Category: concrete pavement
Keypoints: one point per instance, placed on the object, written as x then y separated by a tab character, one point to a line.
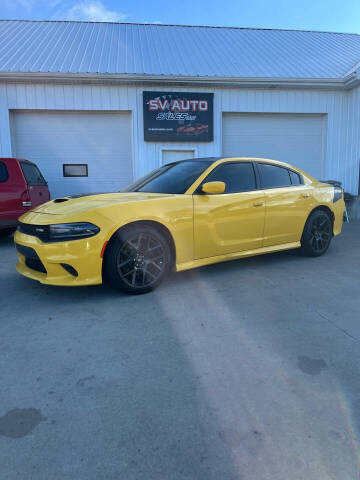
242	370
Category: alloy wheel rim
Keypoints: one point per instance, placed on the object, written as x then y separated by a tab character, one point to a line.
320	233
141	260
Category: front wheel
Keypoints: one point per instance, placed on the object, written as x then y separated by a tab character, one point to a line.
317	234
138	260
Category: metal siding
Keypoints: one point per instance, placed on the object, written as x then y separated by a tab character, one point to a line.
352	163
342	109
115	48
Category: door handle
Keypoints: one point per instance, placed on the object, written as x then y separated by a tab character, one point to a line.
305	194
259	203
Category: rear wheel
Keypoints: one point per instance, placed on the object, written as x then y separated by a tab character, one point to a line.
5	232
138	260
317	234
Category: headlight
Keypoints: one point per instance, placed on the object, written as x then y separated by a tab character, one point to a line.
71	231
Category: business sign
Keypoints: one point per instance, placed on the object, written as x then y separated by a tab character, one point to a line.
178	116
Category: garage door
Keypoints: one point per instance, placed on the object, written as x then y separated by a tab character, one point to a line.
296	139
100	140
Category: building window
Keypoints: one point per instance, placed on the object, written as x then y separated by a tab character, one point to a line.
75	170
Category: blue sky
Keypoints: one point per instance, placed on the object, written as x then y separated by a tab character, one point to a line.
331	15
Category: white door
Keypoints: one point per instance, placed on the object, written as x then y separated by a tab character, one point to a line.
168	156
100	140
296	139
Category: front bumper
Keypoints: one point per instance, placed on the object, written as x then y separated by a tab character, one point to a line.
84	255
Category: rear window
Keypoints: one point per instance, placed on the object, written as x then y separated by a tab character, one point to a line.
3	172
273	176
295	178
32	174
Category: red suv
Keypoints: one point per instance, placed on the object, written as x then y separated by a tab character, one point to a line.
22	187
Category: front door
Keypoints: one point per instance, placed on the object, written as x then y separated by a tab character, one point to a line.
234	220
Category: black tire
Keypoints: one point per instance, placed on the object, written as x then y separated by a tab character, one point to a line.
317	234
138	259
5	232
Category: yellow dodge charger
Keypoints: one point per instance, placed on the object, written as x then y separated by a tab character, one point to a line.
183	215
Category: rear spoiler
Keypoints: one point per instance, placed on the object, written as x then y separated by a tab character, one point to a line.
335	183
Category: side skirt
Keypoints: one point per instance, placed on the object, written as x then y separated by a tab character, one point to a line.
233	256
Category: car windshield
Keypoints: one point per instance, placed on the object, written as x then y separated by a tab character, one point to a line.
173	178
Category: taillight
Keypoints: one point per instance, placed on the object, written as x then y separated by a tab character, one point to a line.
25	199
338	193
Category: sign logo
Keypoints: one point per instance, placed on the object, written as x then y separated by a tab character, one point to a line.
178	116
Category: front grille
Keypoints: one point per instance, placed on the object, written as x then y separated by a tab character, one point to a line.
32	259
39	231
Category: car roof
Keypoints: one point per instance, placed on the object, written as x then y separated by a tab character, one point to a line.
241	159
15	159
221	160
256	159
208	160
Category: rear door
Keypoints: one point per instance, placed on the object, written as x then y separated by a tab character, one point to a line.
288	202
233	221
37	186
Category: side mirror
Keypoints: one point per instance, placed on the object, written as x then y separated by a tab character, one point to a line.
213	187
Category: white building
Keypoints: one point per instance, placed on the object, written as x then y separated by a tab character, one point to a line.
71	93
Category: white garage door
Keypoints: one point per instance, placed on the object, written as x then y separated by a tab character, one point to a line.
296	139
100	140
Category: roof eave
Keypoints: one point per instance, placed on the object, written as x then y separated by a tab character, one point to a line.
352	80
346	83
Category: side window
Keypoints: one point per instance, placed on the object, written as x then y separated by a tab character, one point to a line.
4	175
32	174
273	176
238	177
295	178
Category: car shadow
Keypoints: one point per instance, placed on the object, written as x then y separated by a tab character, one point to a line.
240	268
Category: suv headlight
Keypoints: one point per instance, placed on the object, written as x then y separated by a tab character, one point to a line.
71	231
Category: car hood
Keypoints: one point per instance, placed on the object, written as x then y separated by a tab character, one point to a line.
80	203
